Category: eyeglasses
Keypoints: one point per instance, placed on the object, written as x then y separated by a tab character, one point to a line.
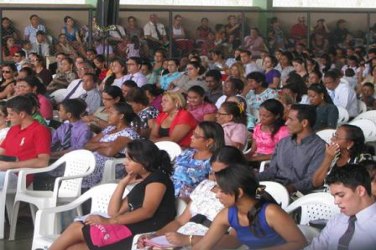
335	136
107	99
197	136
219	113
5	71
190	68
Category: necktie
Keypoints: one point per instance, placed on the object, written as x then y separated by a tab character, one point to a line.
40	50
131	77
66	143
157	30
73	90
344	241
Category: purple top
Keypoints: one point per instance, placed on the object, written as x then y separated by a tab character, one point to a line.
203	109
81	134
271	74
157	103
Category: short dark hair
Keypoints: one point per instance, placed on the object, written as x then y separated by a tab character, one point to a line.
130	84
258	77
351	176
93	76
197	89
305	112
20	104
216	74
74	106
40	32
332	74
21	53
33	15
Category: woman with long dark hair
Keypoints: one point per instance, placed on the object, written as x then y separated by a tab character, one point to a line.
326	111
347	146
269	131
258	221
148	207
112	140
192	165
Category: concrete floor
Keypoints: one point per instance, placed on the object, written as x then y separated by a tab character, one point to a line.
24	235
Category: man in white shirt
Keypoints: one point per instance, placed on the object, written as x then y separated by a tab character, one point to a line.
354	227
30	32
341	93
75	89
19	59
134	73
40	46
249	65
155	33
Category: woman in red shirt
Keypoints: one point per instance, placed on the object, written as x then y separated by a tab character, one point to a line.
175	123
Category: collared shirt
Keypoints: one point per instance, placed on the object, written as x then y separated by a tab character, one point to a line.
149	30
93	100
364	237
294	163
138	78
31	32
44	46
345	97
80	135
215	94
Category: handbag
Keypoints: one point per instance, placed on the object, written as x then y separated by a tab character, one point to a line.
104	235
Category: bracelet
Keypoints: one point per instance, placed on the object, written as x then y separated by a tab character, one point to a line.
190	239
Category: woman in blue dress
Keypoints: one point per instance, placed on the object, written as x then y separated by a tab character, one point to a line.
252	213
192	166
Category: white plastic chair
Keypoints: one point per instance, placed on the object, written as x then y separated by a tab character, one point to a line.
109	171
278	192
343	115
314	206
78	164
326	134
368	127
172	148
264	165
369	115
59	95
362	107
7	194
100	197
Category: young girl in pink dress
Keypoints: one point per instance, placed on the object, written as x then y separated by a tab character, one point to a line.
269	131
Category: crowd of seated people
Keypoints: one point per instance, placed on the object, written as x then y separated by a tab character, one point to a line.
275	92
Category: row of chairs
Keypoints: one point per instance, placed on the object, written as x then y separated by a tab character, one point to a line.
78	164
365	121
